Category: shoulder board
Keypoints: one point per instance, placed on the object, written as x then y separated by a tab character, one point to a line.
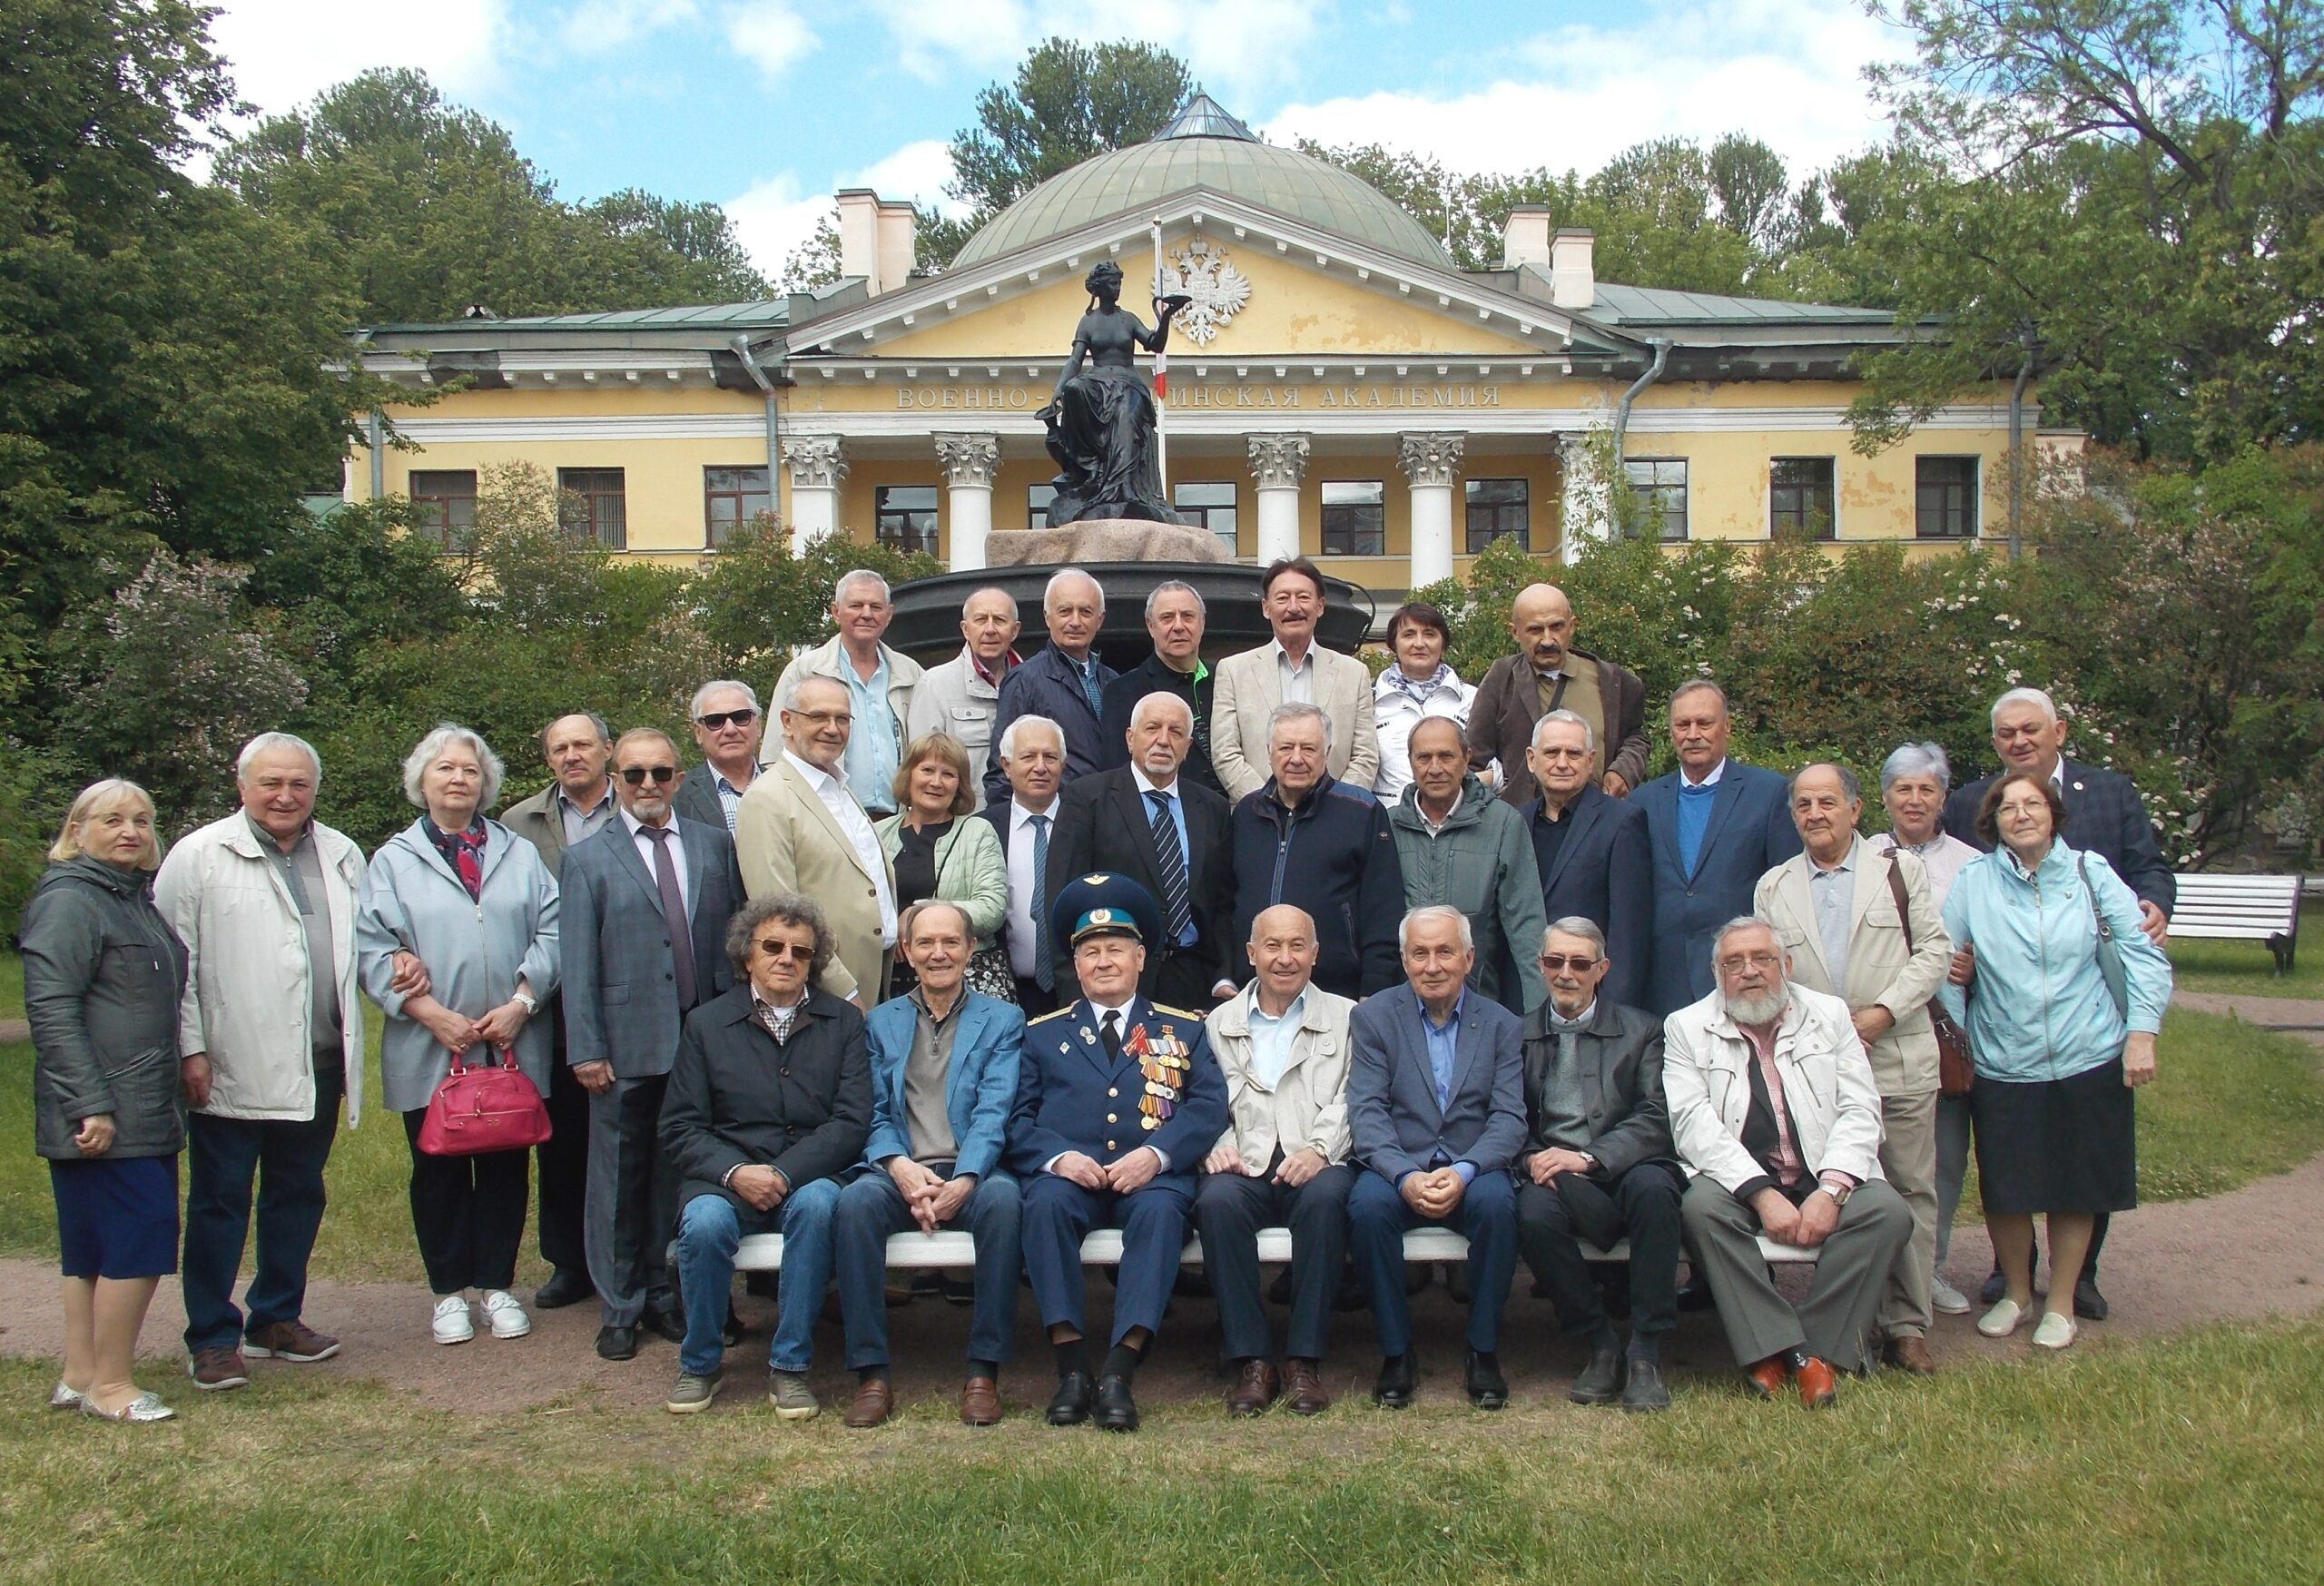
1055	1013
1180	1012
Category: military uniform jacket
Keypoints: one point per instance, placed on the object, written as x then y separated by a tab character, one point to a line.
1165	1091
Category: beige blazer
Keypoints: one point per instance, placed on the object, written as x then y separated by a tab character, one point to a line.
1880	970
1248	689
787	841
1308	1105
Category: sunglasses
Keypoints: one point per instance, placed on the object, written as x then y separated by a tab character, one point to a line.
775	947
715	720
1554	961
636	775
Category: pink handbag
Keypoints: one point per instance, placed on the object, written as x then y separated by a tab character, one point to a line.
484	1108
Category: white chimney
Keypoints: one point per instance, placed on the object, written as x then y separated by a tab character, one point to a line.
899	235
1572	284
858	235
1525	236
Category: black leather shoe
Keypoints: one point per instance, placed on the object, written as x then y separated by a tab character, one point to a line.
1279	1291
1600	1382
1644	1390
1488	1389
1399	1379
616	1344
1694	1294
1071	1404
567	1286
2088	1303
1117	1411
664	1325
731	1332
1996	1287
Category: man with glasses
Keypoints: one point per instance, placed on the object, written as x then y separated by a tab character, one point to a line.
641	921
962	695
727	726
800	830
1598	1165
879	683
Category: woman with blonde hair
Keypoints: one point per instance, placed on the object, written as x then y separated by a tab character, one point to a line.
939	856
104	975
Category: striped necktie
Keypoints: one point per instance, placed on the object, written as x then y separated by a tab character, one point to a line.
1171	859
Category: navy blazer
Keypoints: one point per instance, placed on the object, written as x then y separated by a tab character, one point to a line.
2103	816
1391	1111
697	798
1604	872
1103	823
1045	685
621	996
979	1085
1070	1098
1750	833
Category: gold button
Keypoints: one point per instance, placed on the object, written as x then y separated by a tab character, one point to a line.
1109	1145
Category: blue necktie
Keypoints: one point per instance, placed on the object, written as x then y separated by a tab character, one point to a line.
1087	672
1172	861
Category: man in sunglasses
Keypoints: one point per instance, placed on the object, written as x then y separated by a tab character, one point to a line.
643	919
728	725
1598	1165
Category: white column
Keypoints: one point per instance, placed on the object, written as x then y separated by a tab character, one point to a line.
817	463
969	462
1279	462
1583	505
1430	461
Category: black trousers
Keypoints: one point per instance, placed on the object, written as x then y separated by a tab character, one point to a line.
468	1213
1036	1001
1182	979
1642	1204
565	1167
1230	1208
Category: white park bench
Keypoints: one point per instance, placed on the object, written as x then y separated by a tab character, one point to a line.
2240	908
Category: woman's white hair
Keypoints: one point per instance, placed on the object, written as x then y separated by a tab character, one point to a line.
1916	760
447	734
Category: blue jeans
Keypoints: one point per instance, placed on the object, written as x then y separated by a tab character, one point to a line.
710	1229
872	1208
285	1158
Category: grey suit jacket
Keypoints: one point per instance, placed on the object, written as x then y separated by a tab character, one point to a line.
1391	1109
1620	1050
621	1000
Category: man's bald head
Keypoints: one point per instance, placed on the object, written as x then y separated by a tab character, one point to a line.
1283	950
1541	619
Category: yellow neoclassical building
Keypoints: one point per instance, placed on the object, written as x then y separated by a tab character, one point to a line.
1337	387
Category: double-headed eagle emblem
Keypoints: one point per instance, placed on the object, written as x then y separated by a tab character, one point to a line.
1202	271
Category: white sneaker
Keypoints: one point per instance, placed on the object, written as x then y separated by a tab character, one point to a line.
2006	1317
507	1317
452	1324
1946	1300
2055	1331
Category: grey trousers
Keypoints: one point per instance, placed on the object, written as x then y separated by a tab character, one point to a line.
632	1209
1851	1274
1908	1158
1952	1166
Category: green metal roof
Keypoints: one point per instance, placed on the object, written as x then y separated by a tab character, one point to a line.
771	313
1206	147
1642	306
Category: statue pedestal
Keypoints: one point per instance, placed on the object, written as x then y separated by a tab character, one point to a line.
1099	540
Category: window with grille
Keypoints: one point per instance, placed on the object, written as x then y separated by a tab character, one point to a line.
730	497
445	500
1498	509
1945	498
595	506
1660	486
1800	499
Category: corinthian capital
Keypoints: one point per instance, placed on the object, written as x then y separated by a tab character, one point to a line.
1429	458
968	460
1279	460
817	462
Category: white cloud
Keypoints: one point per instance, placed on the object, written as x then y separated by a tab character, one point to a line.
285	52
918	171
1231	46
597	27
777	215
770	34
1789	73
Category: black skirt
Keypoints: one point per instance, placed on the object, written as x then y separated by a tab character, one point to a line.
2066	1144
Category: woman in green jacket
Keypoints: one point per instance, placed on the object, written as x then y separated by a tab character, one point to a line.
939	854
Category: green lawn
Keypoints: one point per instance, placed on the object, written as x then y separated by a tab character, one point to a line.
2249	969
2192	1460
11	986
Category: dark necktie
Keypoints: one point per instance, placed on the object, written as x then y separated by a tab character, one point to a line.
1109	1031
1044	976
674	913
1087	672
1170	860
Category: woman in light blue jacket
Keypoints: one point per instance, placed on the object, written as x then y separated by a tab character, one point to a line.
474	903
2058	1046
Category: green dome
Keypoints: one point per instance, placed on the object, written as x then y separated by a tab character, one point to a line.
1206	147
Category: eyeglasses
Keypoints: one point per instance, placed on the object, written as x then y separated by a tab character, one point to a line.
797	952
819	718
715	720
1751	961
636	775
1554	961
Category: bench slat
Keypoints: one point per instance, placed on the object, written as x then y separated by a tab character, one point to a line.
1103	1247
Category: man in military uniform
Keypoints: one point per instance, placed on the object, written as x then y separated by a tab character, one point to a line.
1117	1103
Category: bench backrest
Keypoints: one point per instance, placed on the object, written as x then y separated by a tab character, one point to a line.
2251	906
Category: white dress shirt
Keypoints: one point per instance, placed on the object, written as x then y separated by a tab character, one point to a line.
857	825
1023	886
645	846
1716	771
1298	682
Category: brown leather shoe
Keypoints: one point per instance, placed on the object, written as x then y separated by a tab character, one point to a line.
1255	1387
289	1341
215	1370
1819	1384
873	1400
1766	1378
1910	1353
980	1402
1303	1388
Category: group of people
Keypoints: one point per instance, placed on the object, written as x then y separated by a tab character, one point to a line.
1024	947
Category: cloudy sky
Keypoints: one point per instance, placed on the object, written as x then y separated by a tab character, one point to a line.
767	105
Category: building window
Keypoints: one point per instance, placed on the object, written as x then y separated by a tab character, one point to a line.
1945	498
1799	498
730	497
1353	524
1660	483
1498	509
906	517
595	506
1037	505
1210	507
445	501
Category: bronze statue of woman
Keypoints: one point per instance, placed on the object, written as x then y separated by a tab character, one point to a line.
1101	417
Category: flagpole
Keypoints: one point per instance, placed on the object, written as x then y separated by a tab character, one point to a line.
1161	381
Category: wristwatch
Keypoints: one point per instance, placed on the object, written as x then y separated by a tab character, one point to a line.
1838	1192
530	1003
